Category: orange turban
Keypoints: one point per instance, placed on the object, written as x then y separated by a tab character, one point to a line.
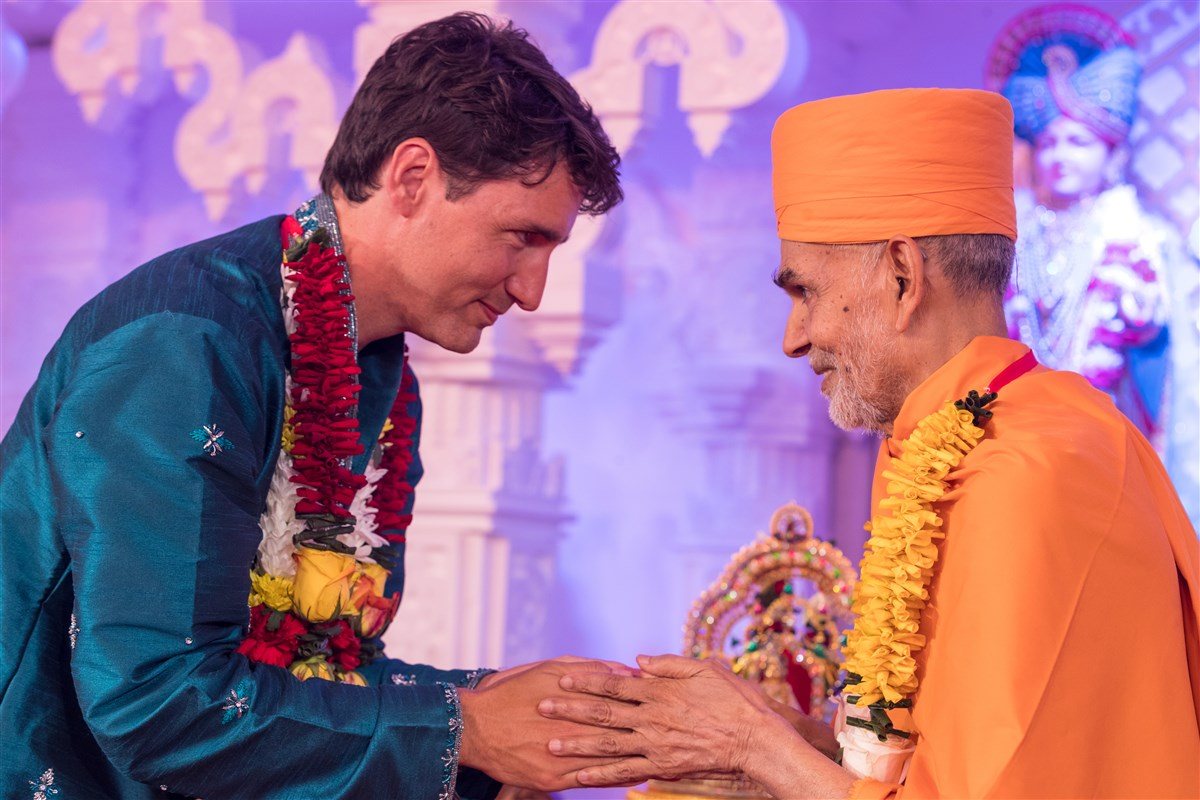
912	162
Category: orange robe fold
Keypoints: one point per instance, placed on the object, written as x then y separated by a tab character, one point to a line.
1063	655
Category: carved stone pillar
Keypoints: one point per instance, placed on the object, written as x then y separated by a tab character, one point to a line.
489	501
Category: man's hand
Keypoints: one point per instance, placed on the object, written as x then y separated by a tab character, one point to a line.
816	733
681	718
504	736
517	793
689	719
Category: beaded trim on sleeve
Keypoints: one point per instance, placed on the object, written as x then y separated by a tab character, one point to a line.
475	676
453	743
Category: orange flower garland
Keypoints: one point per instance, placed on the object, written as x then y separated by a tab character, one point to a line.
899	558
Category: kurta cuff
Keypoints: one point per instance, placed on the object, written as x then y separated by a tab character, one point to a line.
453	743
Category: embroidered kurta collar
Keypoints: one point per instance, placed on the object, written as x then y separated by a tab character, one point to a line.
382	361
320	213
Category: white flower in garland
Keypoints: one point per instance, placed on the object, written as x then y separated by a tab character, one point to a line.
364	538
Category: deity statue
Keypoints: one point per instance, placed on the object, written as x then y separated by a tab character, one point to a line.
1089	292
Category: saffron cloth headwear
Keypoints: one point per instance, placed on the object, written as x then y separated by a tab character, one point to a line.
912	162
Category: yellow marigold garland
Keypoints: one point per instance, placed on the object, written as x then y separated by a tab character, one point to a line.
899	557
288	437
273	591
387	428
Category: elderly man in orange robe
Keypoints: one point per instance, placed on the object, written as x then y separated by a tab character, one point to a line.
1034	632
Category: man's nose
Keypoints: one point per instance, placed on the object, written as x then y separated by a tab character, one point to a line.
795	334
528	283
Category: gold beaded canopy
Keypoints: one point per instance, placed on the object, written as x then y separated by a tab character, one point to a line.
805	583
783	598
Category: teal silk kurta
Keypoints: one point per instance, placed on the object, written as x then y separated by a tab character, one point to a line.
126	548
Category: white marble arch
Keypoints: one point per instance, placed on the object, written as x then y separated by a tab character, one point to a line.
729	53
223	139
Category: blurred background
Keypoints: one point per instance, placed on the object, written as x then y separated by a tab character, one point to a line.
592	467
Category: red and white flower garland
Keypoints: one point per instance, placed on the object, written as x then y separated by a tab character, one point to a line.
317	587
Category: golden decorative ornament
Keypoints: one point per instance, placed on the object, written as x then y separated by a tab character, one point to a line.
779	606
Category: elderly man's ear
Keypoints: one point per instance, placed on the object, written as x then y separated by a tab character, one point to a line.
904	266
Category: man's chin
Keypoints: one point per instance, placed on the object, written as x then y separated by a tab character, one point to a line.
848	415
460	342
859	426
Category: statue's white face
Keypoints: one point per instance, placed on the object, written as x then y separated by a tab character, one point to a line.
1071	161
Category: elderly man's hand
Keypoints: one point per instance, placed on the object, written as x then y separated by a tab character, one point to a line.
504	736
681	718
816	733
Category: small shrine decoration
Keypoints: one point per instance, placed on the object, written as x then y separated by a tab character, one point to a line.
777	612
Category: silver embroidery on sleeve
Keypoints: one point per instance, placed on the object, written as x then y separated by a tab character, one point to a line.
43	787
453	742
212	439
475	676
237	702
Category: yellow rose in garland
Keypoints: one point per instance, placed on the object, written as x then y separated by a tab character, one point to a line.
374	610
323	583
376	616
316	667
370	583
352	677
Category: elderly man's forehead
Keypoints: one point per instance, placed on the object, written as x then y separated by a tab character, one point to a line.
803	249
812	260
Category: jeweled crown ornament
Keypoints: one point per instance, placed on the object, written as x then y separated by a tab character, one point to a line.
777	612
775	616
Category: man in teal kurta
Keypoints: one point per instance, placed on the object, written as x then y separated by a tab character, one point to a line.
126	549
125	545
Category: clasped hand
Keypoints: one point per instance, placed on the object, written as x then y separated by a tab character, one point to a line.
680	718
504	735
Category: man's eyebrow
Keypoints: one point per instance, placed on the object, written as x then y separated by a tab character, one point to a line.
553	236
785	278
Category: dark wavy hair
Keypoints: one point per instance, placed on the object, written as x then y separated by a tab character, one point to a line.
487	101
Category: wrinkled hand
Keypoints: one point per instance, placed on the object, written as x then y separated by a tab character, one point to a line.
681	718
505	736
815	732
